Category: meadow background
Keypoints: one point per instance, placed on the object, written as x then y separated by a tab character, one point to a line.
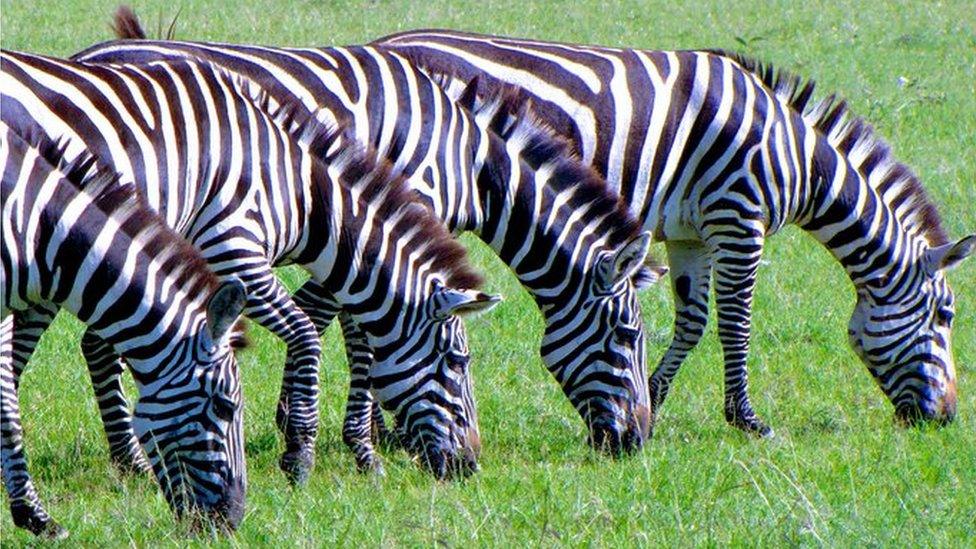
837	473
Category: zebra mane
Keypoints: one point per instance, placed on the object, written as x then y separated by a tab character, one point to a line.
384	189
854	137
126	25
507	111
124	203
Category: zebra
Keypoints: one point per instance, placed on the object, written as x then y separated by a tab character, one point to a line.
459	168
81	239
714	152
254	186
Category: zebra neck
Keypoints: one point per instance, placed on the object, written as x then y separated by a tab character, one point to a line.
128	299
541	244
351	251
855	223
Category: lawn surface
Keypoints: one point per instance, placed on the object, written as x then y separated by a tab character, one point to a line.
837	473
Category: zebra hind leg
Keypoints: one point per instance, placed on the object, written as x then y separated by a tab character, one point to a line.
26	508
735	280
105	369
690	264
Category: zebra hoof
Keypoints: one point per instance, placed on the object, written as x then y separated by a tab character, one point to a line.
297	465
372	466
53	532
37	522
755	428
749	423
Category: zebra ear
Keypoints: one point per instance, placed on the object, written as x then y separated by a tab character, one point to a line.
463	302
949	255
648	275
225	305
628	260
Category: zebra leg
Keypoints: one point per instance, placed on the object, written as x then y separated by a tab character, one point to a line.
270	305
25	504
690	263
735	280
105	369
357	429
28	328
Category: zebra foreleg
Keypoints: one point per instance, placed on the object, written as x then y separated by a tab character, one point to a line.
690	264
298	414
735	279
25	505
357	429
105	368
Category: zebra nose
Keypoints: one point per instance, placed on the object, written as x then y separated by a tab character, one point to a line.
472	441
446	464
637	429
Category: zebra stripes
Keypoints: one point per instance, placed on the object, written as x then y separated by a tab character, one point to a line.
254	189
76	238
714	152
472	179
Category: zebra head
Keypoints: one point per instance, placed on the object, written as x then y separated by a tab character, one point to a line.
190	422
594	346
901	330
427	383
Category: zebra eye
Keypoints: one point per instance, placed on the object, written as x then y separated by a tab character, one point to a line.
625	336
224	408
944	316
457	362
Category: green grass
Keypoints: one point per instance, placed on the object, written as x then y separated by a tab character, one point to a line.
838	472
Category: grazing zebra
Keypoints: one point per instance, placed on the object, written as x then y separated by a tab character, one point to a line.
572	247
714	152
254	189
77	238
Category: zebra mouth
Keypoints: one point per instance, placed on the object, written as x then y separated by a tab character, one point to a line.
449	465
607	435
915	415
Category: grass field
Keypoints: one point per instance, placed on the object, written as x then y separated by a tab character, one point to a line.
838	472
